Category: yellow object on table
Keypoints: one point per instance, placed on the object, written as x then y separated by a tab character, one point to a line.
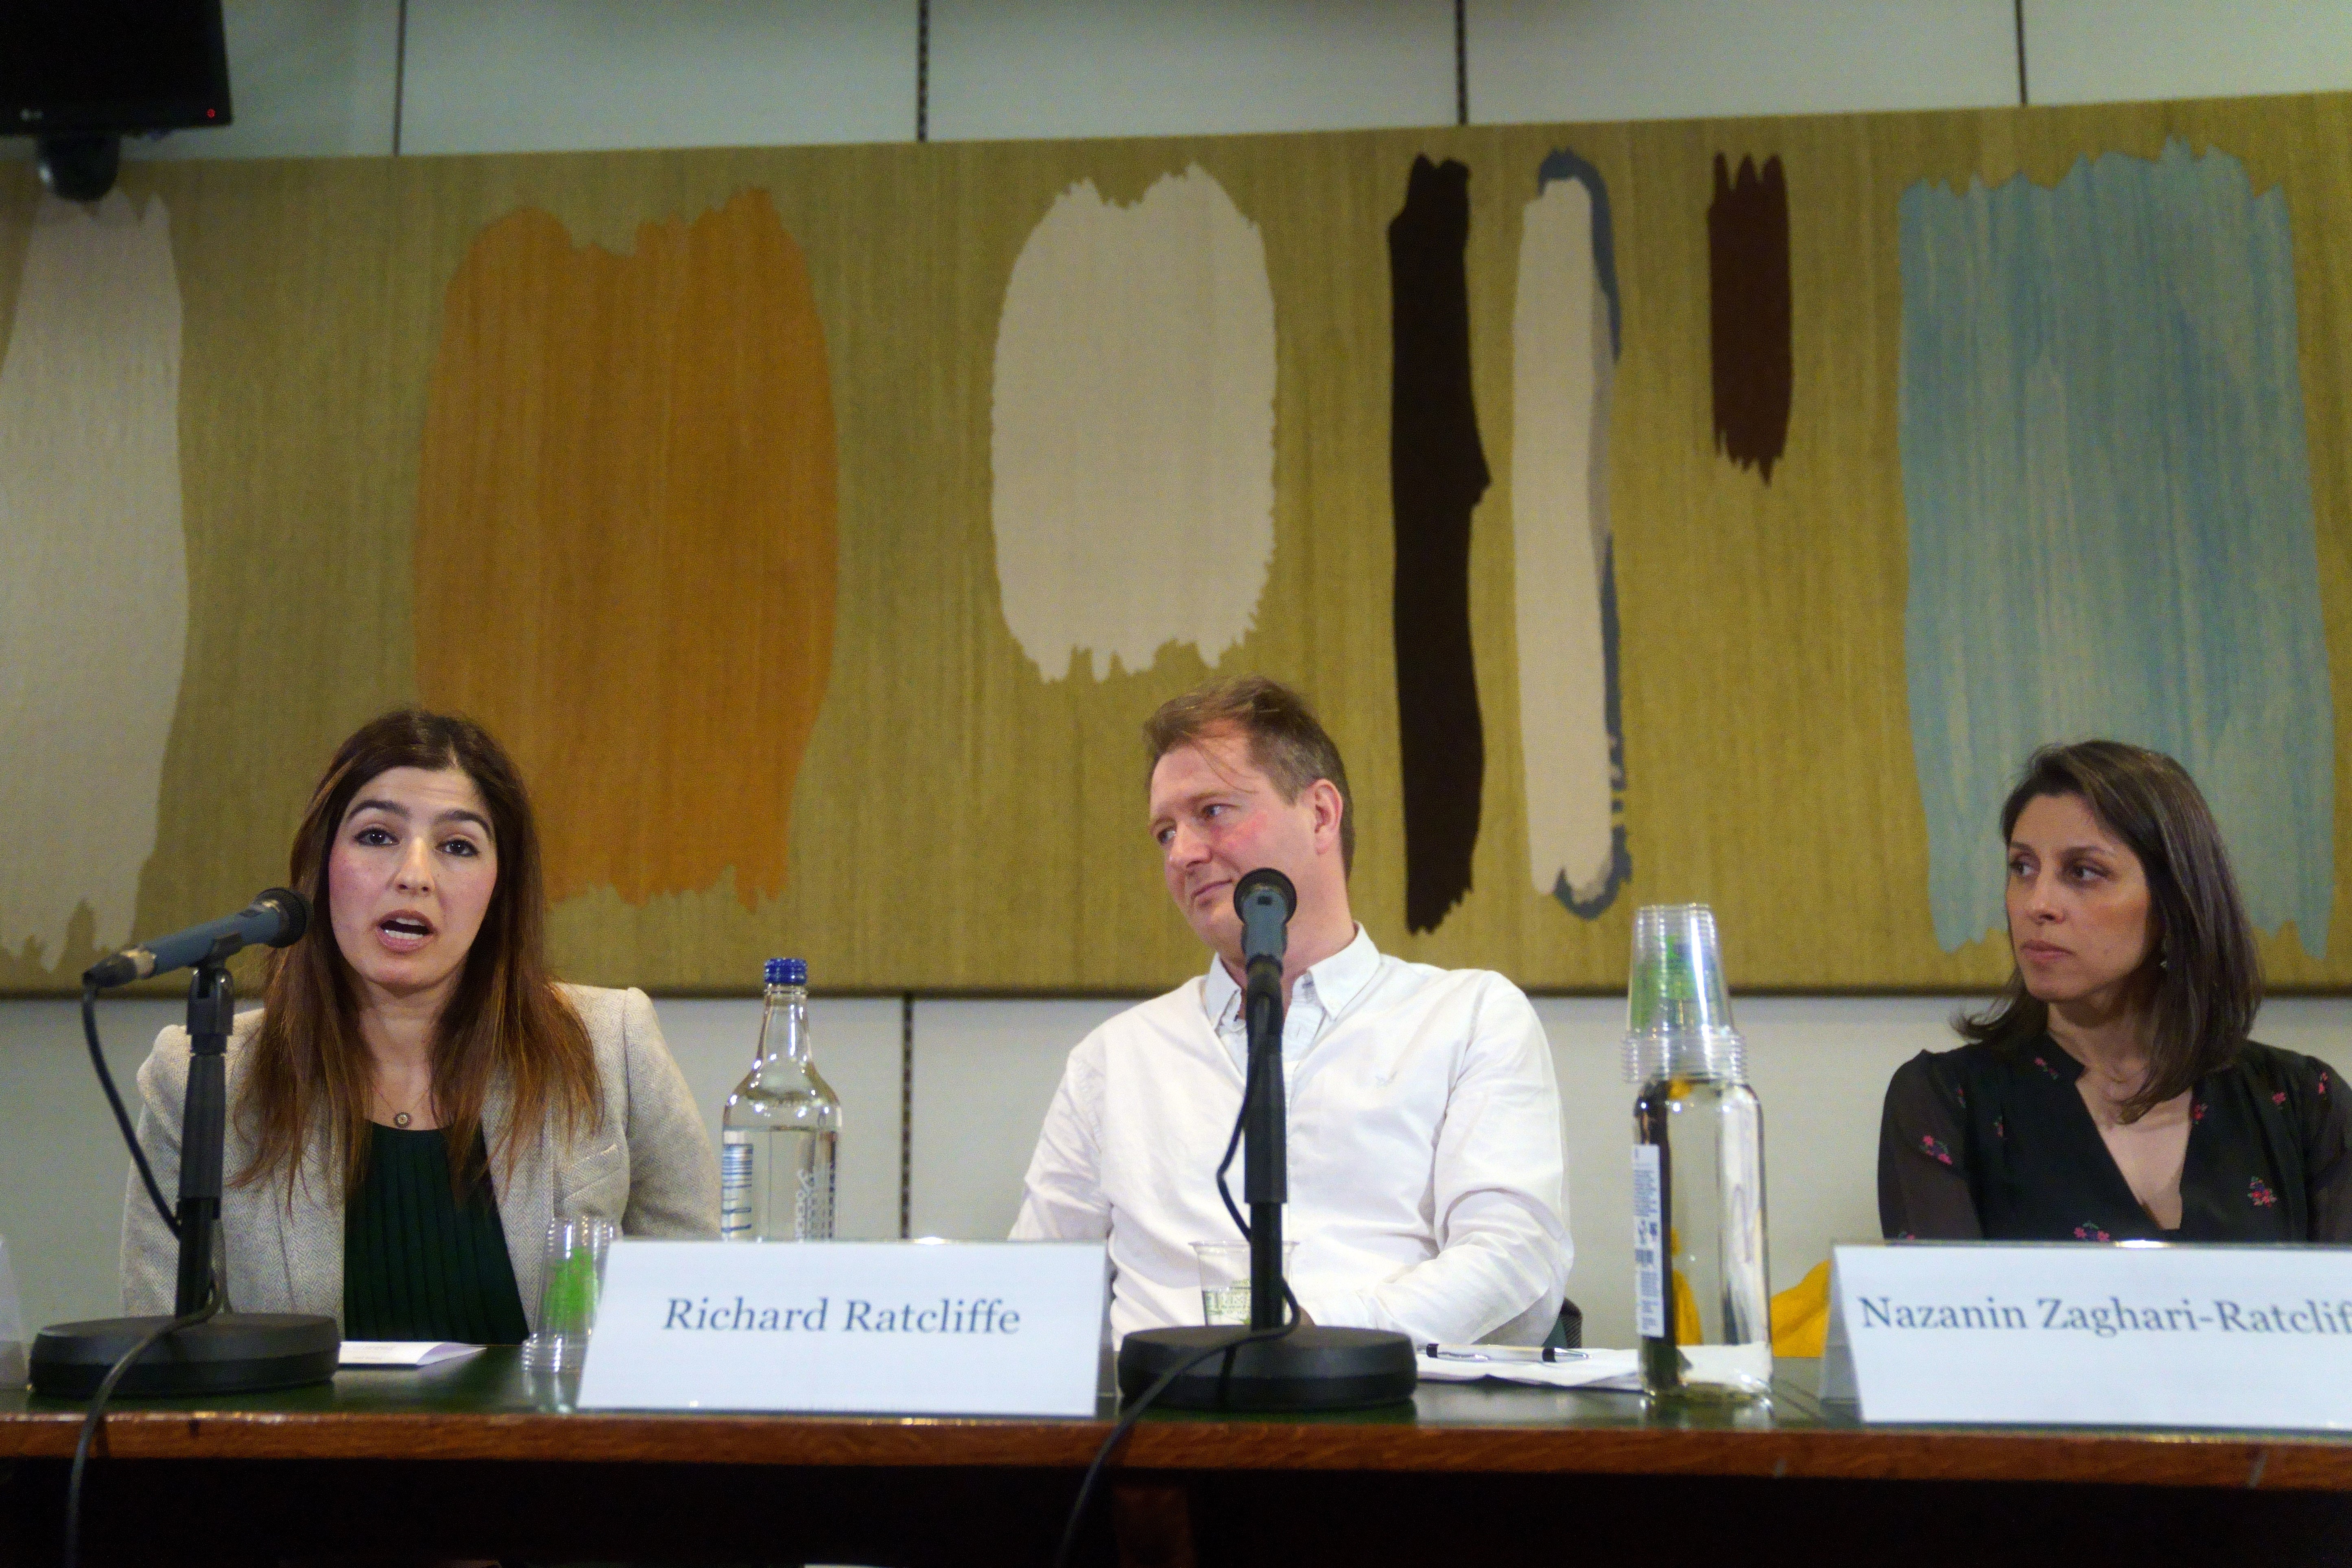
1800	1314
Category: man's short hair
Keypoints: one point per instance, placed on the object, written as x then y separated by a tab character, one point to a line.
1286	744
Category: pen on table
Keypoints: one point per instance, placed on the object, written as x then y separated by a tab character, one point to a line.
1498	1353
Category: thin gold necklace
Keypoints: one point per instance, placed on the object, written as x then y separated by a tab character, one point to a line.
399	1118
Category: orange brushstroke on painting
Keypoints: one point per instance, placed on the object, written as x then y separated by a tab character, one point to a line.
625	547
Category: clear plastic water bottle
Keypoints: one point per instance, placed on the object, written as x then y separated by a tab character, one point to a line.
778	1131
1701	1298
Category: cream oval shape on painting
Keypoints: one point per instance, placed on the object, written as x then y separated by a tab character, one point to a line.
94	579
1132	435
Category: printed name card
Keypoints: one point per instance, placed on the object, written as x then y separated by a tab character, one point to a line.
880	1328
2137	1334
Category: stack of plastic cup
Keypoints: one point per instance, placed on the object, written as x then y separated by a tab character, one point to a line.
573	1278
1678	1008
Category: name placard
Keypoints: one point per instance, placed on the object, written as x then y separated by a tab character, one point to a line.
876	1328
2137	1334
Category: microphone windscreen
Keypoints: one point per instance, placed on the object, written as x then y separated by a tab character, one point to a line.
1265	878
293	917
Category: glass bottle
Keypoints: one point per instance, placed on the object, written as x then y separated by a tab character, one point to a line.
1702	1299
780	1129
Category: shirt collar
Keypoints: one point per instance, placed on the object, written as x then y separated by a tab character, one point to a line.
1334	983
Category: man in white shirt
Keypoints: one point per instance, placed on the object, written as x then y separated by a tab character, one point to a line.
1427	1190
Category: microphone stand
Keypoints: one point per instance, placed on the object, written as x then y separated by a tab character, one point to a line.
1265	1155
1309	1366
228	1353
203	1129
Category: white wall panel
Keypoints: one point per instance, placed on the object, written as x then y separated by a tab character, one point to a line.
1134	68
857	1049
62	1163
2316	1025
308	78
1664	59
527	76
984	1073
2092	51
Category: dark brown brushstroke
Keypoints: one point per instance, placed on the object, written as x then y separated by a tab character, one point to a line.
1437	472
1749	313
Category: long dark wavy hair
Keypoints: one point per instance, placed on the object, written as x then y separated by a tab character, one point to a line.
2203	980
505	1024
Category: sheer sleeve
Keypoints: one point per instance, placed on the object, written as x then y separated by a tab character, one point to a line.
1923	1177
2326	1162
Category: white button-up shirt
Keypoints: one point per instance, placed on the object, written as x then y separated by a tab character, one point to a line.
1427	1177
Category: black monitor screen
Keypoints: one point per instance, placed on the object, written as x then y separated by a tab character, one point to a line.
112	65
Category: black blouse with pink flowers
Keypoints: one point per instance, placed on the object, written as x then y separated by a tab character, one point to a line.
1984	1144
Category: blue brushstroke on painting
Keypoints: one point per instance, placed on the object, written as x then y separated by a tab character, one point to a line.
2109	503
1563	165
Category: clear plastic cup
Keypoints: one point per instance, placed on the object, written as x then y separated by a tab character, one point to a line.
1225	1278
573	1278
1677	1005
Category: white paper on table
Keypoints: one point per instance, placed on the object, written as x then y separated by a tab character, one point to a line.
402	1353
1611	1371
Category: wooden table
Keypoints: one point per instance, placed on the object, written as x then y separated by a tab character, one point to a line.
471	1459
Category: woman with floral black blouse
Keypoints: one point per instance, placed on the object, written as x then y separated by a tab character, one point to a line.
2111	1092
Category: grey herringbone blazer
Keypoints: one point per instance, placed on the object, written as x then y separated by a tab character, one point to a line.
648	1165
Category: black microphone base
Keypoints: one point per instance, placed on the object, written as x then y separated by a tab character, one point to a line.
1310	1368
233	1353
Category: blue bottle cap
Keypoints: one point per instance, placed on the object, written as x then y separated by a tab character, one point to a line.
787	972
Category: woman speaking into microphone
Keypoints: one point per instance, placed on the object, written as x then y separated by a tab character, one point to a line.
416	1097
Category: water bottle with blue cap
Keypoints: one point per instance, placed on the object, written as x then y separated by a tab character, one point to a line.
778	1133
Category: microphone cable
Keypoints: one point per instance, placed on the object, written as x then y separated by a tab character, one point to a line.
1134	1413
93	1425
122	1117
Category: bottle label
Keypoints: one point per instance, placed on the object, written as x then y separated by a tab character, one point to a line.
735	1194
812	1207
1649	1242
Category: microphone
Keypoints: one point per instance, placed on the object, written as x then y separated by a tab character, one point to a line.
277	919
1264	900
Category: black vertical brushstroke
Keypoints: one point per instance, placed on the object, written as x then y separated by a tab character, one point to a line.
922	70
2020	53
1461	62
1437	472
1749	313
399	73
